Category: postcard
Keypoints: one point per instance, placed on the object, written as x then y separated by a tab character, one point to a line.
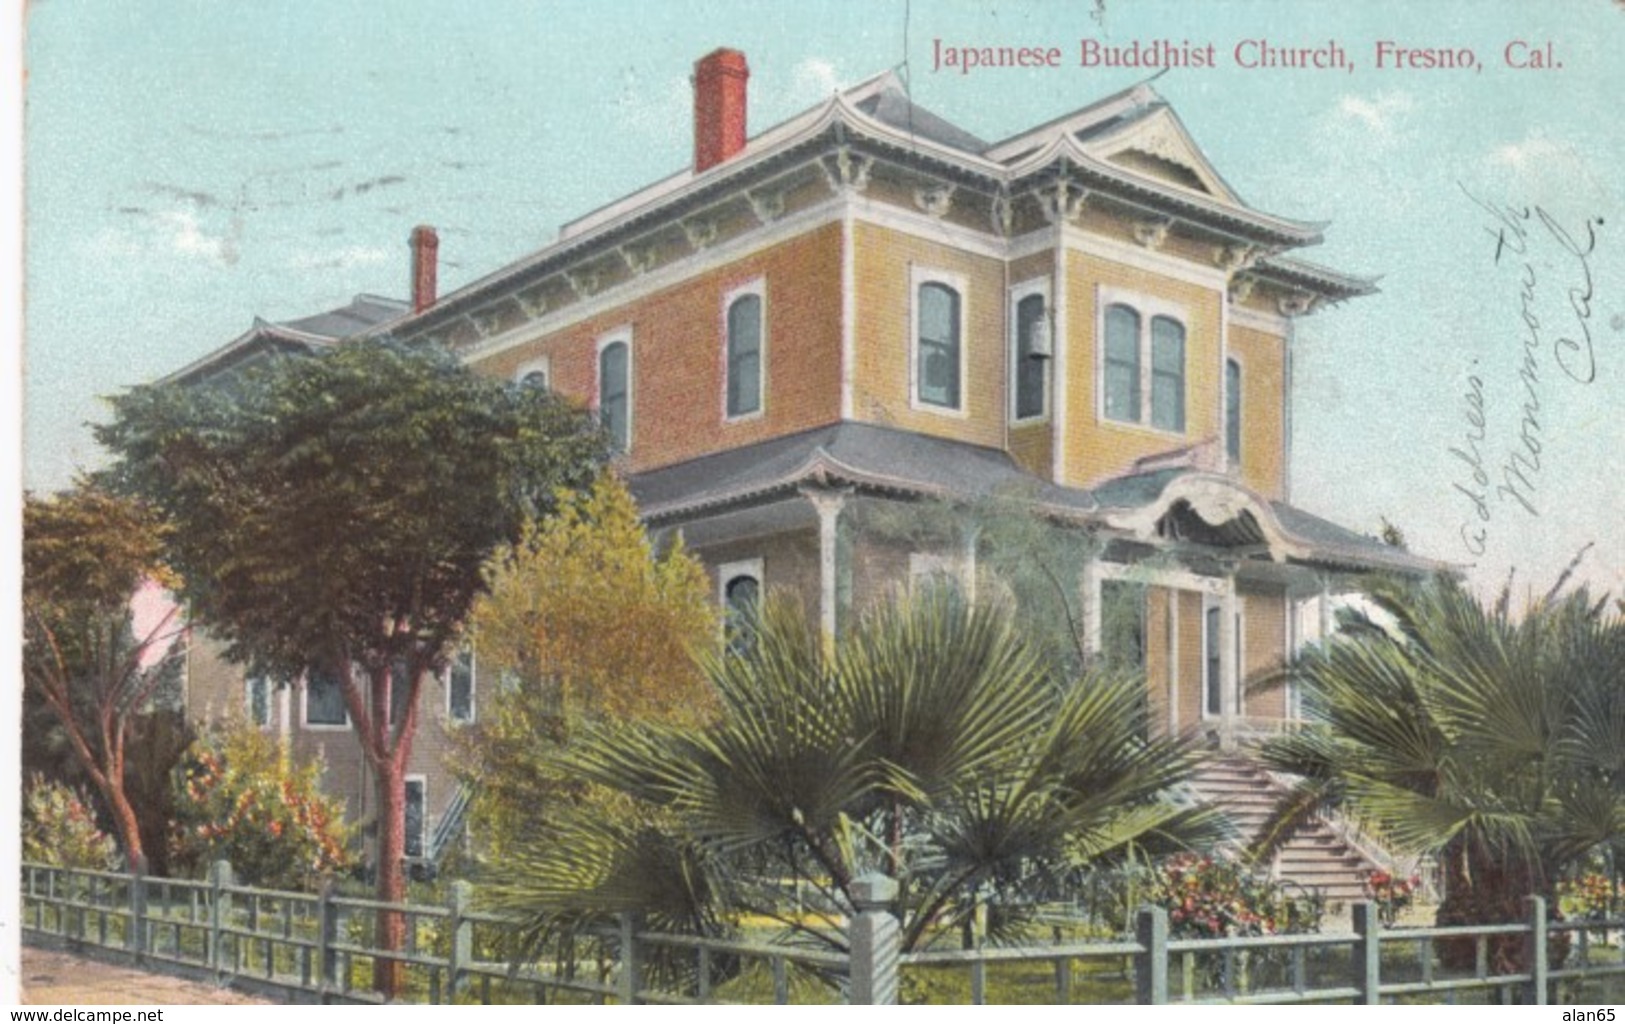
1166	325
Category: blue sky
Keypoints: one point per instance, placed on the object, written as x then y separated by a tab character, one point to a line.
191	165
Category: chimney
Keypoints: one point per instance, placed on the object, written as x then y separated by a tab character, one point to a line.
719	107
425	266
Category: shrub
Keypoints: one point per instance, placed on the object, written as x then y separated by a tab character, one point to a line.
240	800
1208	898
59	828
1391	893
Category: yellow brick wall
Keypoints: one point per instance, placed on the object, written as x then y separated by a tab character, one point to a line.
678	353
1190	660
1097	448
1263	409
884	259
1264	648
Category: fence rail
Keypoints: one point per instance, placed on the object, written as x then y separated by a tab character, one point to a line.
318	947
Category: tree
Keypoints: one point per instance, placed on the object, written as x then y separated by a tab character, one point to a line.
586	623
86	554
933	745
1495	743
331	515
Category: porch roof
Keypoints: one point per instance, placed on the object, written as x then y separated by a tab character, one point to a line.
1164	507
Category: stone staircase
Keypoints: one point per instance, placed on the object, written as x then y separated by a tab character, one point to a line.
1314	856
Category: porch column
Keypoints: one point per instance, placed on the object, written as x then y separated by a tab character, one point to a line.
1229	667
827	502
967	560
1325	607
1091	608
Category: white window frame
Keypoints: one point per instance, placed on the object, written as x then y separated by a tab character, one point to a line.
542	364
473	689
1211	604
621	335
757	286
919	277
729	571
1026	289
304	710
248	702
423	839
1149	307
1238	651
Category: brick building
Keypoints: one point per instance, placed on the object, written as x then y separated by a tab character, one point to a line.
866	306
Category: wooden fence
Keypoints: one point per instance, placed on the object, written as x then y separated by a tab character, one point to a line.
318	947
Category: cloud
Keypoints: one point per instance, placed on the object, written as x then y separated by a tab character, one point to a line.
1549	167
181	233
1381	114
167	233
339	259
663	110
815	78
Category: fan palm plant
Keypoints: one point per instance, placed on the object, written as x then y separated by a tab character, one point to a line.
1494	743
931	744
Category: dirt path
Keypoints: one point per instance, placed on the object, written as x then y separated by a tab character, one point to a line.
50	977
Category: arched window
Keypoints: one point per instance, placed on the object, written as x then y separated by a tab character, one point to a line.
535	379
1031	356
614	392
1122	364
1167	374
1232	411
937	349
744	355
741	595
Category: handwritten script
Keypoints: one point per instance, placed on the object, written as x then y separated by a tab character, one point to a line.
1505	470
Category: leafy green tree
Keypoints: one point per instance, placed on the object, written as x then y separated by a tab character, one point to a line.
332	515
1493	742
585	622
240	799
934	744
86	553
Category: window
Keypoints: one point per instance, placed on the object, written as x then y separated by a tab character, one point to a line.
615	391
938	350
259	701
1143	367
324	700
741	593
1232	411
460	687
1030	352
534	375
1212	674
1122	364
744	354
417	818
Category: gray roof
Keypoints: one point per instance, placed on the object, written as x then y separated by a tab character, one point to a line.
873	457
360	313
894	107
882	460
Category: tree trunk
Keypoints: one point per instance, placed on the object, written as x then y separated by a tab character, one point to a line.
124	818
1483	886
390	932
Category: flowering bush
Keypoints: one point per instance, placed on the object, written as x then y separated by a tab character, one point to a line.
60	828
240	800
1208	898
1591	895
1391	893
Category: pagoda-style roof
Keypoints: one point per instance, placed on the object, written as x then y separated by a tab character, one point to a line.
303	336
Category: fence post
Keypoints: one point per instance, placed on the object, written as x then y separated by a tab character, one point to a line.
1367	966
327	931
219	913
876	942
1535	950
631	981
135	933
1151	962
462	938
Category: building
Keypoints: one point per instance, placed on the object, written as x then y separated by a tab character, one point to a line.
867	307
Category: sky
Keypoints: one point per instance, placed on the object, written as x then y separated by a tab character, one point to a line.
192	165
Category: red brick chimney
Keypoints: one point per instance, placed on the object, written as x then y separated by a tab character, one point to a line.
425	266
719	107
